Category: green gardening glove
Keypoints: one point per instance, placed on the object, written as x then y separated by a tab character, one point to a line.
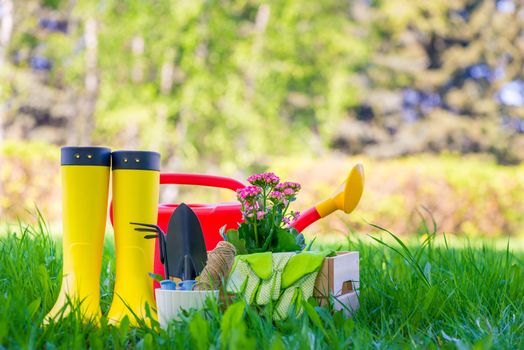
270	288
298	282
247	273
294	295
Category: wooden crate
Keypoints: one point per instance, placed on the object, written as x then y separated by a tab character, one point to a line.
339	278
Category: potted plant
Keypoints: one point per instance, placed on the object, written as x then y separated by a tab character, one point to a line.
268	220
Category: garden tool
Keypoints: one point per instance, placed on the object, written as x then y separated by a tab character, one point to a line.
160	235
186	249
298	282
85	187
135	199
211	216
345	199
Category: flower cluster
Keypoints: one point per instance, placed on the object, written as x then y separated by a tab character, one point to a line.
264	180
248	194
265	195
249	210
275	196
267	225
288	189
295	186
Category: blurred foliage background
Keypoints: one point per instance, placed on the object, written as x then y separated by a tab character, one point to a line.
429	95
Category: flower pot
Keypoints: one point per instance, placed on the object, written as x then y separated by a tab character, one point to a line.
170	303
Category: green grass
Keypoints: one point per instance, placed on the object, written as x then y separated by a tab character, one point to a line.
426	296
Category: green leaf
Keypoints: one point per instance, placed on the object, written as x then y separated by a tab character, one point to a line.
124	327
34	306
314	316
199	330
233	237
286	241
246	232
310	244
231	320
300	240
147	342
155	276
222	232
277	343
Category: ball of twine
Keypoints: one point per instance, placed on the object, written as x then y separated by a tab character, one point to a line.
219	263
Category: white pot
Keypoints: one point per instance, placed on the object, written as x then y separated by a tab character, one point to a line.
169	303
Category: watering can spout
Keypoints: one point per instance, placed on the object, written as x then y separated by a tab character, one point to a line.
345	199
348	196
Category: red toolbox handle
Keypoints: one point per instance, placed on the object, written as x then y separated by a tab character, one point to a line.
200	180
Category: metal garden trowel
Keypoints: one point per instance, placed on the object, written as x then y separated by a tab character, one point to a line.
185	246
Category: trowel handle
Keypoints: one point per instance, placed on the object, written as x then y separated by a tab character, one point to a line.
200	180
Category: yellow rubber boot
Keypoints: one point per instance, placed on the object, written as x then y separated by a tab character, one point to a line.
85	186
136	176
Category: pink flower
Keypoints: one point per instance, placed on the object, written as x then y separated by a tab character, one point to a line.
248	194
275	196
260	214
289	192
295	186
264	180
295	215
249	209
288	189
286	221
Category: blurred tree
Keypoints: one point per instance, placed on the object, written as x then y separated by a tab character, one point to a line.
6	27
227	83
242	76
214	81
447	75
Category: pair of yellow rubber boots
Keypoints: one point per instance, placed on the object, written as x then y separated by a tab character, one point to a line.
85	190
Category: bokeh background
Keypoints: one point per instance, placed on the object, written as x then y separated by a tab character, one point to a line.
428	95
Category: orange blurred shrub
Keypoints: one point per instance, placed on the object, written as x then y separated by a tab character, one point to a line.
466	195
29	178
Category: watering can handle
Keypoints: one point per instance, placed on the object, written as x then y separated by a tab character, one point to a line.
200	180
193	179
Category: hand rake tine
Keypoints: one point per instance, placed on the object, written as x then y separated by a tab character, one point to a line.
161	236
142	229
153	226
142	224
162	246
